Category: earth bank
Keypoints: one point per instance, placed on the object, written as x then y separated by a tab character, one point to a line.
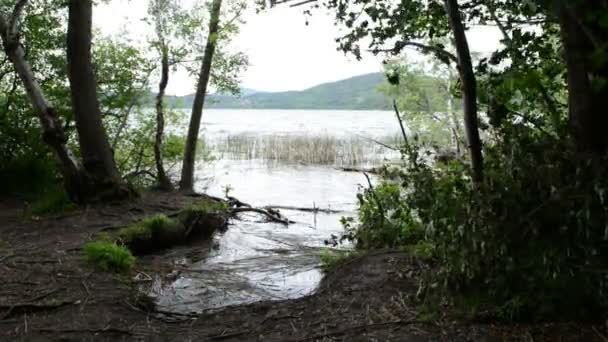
50	293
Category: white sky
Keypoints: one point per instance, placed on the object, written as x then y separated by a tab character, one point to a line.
284	53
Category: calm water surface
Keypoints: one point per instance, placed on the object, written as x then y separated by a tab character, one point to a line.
255	260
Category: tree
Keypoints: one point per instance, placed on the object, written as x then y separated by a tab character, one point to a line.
187	178
583	29
469	87
161	11
53	133
98	159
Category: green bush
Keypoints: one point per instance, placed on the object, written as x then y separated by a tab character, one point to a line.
530	242
109	256
385	220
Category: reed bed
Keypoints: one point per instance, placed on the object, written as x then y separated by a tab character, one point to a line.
304	149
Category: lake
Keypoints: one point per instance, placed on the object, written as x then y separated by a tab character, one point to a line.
256	260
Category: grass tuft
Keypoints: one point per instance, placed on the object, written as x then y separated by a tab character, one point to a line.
109	256
331	258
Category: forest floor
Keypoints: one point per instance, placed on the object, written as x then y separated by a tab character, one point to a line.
48	292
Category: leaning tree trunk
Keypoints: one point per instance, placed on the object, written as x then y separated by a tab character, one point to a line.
53	134
187	179
163	180
98	159
584	38
469	88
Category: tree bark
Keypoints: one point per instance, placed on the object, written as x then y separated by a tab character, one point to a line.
187	178
583	36
98	159
53	134
469	88
163	180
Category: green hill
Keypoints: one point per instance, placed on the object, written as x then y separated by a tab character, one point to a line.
359	92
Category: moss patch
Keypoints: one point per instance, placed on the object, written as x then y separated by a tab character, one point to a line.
159	231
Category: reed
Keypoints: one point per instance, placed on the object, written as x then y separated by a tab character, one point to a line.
304	149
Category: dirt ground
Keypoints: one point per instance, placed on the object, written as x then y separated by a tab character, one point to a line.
48	292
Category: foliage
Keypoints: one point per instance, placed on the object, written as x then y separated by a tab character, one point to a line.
384	219
426	100
109	256
27	165
519	241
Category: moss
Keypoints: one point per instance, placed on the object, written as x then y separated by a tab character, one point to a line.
134	232
109	256
203	208
159	231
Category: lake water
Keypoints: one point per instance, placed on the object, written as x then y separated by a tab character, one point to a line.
256	260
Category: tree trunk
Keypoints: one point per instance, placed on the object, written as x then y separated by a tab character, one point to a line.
187	179
469	88
163	180
98	159
53	134
583	36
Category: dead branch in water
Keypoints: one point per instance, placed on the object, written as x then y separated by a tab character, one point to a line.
310	210
373	170
272	215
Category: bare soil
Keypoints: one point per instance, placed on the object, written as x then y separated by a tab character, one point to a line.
48	292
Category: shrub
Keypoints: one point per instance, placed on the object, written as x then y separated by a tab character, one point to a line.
109	256
530	242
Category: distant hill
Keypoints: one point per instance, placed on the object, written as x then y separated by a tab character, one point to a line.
359	92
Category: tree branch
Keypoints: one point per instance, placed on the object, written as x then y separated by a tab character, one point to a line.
17	11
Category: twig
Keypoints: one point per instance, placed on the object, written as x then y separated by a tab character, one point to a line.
405	140
600	334
32	307
91	331
224	336
379	142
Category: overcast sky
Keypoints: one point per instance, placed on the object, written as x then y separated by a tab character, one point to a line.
284	53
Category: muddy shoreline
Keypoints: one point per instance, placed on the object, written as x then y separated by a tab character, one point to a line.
49	292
